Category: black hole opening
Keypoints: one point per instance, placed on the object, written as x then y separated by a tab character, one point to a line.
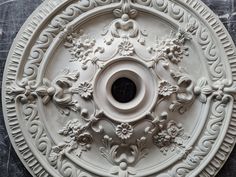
123	90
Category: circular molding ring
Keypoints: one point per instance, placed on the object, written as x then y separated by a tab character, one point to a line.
122	88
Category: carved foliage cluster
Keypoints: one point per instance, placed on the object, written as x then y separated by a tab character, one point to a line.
172	49
82	48
77	137
60	91
170	136
122	165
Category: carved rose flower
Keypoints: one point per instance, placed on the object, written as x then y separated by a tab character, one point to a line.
77	53
174	129
173	52
126	48
84	41
87	41
124	131
85	139
85	90
72	128
166	89
162	139
76	137
170	136
82	47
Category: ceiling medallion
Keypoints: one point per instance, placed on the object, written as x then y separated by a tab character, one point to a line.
121	88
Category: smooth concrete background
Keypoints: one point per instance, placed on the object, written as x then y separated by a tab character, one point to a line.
13	14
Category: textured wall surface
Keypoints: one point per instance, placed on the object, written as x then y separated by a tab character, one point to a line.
13	13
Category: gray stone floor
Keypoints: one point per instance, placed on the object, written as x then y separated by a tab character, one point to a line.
13	13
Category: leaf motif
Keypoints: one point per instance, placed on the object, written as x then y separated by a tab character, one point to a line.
117	13
65	71
114	32
53	157
63	82
133	33
141	40
75	108
172	147
174	106
67	139
185	137
107	141
114	170
46	82
202	82
64	111
46	99
147	129
99	49
133	13
143	153
99	114
73	75
207	90
106	154
141	142
108	40
73	145
68	44
135	151
183	79
103	152
132	171
97	128
113	151
41	91
179	140
79	152
203	98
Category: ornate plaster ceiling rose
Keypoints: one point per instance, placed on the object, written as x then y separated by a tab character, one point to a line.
121	88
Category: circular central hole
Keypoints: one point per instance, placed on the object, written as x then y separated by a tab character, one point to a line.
123	90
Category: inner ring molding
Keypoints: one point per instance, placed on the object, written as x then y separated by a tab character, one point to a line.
139	73
141	89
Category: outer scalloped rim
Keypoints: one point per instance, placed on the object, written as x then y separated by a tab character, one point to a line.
34	22
230	137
